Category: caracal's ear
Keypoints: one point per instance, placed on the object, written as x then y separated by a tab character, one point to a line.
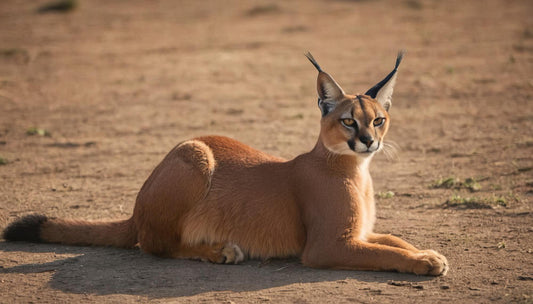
329	92
382	91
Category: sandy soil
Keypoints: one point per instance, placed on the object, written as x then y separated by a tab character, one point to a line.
116	84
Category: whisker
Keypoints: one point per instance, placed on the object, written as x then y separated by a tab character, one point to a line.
390	149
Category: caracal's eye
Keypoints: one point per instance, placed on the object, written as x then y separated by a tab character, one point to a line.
348	122
379	121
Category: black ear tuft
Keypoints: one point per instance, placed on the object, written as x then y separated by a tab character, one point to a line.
375	89
313	61
27	229
329	91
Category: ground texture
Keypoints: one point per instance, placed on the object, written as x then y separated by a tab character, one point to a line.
92	99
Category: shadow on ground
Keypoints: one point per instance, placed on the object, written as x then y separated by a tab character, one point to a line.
105	271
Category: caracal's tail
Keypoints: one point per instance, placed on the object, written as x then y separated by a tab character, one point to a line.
41	229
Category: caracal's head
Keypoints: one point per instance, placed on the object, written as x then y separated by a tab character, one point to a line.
354	124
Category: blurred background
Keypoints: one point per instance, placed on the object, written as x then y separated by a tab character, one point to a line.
93	94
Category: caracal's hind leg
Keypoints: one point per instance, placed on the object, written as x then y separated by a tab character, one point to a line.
218	253
177	184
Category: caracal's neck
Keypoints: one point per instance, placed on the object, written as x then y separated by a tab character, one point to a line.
351	166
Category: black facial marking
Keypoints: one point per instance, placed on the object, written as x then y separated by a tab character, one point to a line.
361	104
351	144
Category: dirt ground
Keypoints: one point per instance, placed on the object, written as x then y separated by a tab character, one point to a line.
92	99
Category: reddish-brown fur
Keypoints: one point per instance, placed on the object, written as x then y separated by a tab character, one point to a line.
216	199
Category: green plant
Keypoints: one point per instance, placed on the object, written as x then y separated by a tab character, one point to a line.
454	183
385	195
38	131
471	184
448	183
458	202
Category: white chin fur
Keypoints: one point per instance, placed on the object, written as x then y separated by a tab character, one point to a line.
362	148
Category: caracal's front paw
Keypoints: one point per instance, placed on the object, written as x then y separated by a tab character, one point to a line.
231	254
430	262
